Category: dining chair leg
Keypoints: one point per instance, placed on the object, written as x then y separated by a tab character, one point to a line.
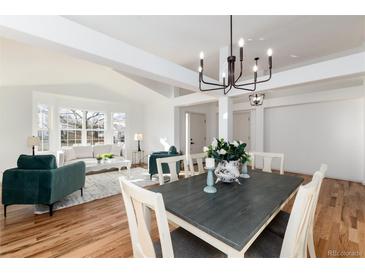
312	252
5	210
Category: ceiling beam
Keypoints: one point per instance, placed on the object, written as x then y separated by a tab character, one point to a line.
57	32
350	65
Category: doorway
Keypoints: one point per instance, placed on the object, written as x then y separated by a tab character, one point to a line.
242	127
198	132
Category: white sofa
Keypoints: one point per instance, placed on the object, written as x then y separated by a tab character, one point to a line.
87	153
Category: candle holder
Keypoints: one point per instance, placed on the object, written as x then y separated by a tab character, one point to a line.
210	182
244	171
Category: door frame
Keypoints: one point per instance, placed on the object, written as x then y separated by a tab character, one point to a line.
187	129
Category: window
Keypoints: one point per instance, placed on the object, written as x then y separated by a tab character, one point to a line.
71	126
119	127
81	127
42	127
95	127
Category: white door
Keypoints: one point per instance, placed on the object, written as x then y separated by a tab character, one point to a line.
198	130
241	127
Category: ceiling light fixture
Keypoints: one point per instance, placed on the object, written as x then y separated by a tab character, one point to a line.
230	82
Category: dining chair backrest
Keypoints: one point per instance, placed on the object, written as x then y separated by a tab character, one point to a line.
172	162
295	241
321	174
323	169
199	157
138	202
267	160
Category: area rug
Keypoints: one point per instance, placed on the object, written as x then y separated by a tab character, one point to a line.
98	186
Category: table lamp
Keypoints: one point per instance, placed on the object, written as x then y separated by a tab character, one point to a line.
138	137
33	141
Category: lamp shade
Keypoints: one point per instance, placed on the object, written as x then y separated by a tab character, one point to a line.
138	137
33	141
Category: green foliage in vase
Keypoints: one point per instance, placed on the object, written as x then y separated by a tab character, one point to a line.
222	150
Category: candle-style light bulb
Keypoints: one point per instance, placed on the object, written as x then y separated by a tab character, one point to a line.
201	59
255	68
269	53
241	42
223	75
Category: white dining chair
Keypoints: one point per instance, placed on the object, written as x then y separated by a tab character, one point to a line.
172	163
295	241
199	158
179	243
312	252
267	160
279	223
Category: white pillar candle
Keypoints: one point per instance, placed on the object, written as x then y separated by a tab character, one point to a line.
209	163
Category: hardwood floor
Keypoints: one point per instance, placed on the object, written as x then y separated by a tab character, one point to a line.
100	228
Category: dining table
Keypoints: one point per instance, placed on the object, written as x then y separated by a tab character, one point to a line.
233	217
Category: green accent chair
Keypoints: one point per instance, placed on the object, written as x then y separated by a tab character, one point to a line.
37	180
152	165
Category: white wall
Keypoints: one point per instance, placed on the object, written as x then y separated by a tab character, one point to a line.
15	125
311	134
159	126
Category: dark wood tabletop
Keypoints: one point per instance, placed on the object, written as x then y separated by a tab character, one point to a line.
235	213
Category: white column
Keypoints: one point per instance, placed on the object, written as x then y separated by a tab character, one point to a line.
187	134
259	132
223	65
176	126
224	103
225	118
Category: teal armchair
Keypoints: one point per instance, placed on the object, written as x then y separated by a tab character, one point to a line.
152	165
37	180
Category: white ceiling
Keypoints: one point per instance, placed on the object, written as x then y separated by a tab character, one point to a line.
181	38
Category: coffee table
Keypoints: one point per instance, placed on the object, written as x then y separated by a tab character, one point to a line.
93	165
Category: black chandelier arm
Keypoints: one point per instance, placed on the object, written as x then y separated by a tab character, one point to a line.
257	82
208	83
239	76
226	91
266	80
210	89
247	89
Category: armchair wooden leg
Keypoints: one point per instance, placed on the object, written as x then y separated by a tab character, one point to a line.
50	209
82	191
5	210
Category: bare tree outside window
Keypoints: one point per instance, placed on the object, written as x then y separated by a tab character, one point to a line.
71	127
119	127
95	127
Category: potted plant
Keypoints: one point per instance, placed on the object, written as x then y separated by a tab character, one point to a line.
107	156
99	158
229	155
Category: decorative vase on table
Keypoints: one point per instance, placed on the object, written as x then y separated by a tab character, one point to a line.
228	171
228	155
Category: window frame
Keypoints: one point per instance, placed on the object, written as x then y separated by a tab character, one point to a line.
83	130
113	130
40	129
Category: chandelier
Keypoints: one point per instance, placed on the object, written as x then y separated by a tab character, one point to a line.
256	99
